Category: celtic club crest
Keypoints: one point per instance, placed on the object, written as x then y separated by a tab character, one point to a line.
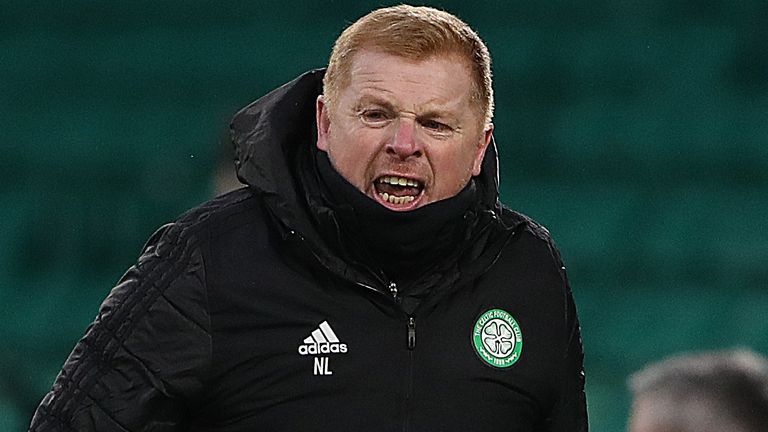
497	338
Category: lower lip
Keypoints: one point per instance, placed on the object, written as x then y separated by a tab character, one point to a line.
398	207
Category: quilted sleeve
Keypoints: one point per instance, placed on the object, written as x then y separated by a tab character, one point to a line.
143	360
570	412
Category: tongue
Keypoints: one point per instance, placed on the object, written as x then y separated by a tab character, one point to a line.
397	190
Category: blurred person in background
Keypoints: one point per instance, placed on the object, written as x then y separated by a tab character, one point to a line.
366	279
702	392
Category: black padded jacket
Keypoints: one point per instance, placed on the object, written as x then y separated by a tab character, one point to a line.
238	316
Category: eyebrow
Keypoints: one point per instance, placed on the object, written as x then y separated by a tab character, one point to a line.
369	99
429	114
437	114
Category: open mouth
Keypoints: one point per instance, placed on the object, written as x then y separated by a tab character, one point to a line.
399	191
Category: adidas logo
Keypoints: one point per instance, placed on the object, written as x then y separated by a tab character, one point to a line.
322	341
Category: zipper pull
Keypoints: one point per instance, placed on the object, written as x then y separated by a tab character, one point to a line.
393	289
411	333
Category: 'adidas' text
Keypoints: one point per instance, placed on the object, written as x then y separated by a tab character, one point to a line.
325	348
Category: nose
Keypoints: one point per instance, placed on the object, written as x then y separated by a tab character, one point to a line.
405	143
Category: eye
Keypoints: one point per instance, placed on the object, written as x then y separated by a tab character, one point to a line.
375	117
436	126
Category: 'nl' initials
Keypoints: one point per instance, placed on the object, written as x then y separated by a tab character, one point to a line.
321	366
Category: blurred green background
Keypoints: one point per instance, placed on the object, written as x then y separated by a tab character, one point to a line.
636	131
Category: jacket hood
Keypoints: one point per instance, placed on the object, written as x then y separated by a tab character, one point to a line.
268	133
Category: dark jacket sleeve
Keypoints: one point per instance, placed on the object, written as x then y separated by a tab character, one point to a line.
143	359
570	412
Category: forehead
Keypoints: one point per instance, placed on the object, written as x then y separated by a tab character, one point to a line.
437	80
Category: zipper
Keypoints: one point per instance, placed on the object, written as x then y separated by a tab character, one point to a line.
411	345
411	333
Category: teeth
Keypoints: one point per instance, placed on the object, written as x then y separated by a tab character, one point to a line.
399	181
396	199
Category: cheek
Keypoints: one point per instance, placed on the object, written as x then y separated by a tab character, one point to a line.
464	161
352	154
452	171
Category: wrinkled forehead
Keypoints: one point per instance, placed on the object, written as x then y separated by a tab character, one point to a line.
420	58
440	77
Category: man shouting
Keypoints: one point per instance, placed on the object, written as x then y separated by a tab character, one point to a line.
366	279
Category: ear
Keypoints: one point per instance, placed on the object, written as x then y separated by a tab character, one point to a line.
482	146
323	123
